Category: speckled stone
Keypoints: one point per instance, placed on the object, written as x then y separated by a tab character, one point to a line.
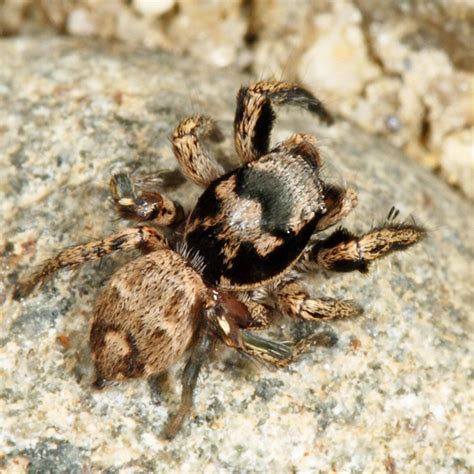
392	394
401	69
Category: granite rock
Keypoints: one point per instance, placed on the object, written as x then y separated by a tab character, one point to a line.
402	69
338	61
392	393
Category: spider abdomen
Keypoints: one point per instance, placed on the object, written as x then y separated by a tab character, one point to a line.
146	316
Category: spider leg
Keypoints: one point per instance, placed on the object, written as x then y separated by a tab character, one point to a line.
159	385
294	300
260	315
195	161
146	206
233	321
189	379
344	252
280	354
339	202
254	114
144	238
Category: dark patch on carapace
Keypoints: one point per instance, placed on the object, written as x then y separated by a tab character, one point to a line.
208	204
248	267
271	192
205	242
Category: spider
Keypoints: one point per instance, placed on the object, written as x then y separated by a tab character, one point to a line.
250	237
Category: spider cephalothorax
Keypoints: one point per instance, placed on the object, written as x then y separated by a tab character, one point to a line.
250	225
246	243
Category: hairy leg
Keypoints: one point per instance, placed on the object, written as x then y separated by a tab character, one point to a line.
232	322
146	206
159	384
254	114
195	161
344	252
339	202
294	300
189	379
279	354
260	315
144	238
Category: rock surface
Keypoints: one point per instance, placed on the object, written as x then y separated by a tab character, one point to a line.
393	393
402	69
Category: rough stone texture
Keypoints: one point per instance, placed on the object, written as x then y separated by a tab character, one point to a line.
443	24
402	69
392	395
338	61
456	148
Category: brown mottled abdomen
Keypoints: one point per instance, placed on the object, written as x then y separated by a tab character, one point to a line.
146	316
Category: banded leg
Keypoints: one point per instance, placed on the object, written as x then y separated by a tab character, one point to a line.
232	321
254	114
260	315
144	238
294	300
280	354
339	202
146	206
262	349
345	252
195	161
189	380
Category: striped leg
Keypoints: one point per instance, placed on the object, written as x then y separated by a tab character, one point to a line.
294	300
344	252
254	114
144	238
145	206
196	163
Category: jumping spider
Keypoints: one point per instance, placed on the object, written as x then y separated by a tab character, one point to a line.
246	244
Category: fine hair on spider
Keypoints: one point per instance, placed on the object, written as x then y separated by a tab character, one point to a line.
245	246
